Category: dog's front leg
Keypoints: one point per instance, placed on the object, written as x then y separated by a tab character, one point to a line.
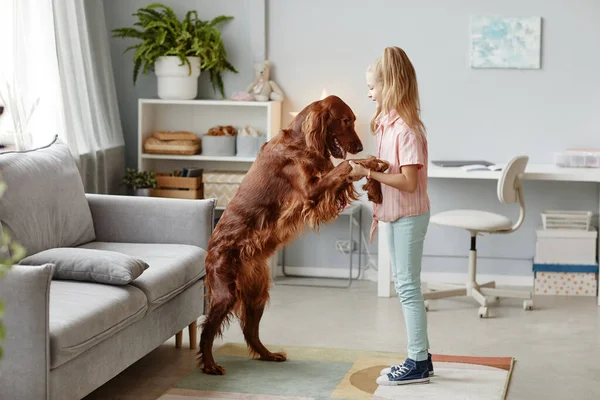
333	181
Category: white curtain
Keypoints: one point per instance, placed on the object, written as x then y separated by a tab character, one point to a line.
29	72
62	57
93	125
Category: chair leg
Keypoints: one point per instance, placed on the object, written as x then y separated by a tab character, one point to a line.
488	285
512	294
442	294
479	297
193	331
473	289
178	339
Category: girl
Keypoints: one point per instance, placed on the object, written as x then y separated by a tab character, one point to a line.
400	137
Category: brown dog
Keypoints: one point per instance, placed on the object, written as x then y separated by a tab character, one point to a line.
291	184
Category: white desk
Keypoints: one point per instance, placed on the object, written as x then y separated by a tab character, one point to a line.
538	172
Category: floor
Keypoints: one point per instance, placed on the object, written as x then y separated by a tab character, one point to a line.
556	346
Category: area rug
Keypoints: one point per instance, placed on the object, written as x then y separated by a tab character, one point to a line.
323	373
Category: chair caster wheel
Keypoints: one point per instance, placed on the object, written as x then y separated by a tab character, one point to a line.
483	312
426	305
528	305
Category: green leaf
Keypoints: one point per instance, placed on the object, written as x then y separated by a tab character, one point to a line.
219	20
160	32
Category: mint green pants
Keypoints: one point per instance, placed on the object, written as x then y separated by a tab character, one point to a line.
405	240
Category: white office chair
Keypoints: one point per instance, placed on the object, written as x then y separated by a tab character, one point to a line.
510	190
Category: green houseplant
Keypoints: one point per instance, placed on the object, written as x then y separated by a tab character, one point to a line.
10	253
139	182
177	49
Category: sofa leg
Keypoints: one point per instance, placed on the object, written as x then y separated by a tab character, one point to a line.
193	331
178	339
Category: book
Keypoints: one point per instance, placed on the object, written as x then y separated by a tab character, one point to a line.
481	167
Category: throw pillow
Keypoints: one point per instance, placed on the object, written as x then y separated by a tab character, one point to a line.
89	265
44	205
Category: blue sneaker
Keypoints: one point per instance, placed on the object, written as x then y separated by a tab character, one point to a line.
393	368
409	372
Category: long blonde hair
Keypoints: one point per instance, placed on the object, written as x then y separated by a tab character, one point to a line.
400	90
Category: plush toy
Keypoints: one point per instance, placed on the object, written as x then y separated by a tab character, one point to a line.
222	130
261	88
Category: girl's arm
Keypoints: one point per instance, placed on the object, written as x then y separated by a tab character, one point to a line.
406	180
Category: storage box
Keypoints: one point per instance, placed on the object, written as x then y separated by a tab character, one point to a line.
178	187
578	159
249	146
565	279
220	146
565	246
566	283
222	185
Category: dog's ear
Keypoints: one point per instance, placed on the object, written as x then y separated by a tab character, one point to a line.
315	126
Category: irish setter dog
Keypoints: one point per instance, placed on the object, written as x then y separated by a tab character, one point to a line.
292	183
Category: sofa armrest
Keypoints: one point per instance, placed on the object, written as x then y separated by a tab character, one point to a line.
131	219
25	367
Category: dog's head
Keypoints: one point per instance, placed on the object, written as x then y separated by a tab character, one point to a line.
328	126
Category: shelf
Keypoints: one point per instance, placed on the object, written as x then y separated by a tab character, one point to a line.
210	102
197	157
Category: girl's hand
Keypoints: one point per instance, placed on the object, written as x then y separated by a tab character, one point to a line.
358	171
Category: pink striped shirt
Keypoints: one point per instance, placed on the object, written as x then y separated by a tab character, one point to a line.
400	145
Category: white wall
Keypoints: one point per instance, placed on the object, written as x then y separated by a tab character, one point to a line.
491	114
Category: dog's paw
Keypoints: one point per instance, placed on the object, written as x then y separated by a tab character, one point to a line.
213	370
278	357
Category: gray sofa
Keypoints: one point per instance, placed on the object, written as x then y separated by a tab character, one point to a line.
67	337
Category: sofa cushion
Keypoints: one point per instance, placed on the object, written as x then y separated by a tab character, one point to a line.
89	265
83	314
173	267
44	205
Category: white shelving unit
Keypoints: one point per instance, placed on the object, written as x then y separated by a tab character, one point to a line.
199	116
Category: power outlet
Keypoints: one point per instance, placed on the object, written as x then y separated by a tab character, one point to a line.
345	246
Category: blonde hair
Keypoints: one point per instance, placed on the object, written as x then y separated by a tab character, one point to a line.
400	91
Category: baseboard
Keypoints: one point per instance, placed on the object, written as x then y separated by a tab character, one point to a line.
433	277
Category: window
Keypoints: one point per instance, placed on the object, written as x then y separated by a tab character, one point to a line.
28	61
6	64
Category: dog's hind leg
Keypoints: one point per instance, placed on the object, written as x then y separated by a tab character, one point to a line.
255	297
222	302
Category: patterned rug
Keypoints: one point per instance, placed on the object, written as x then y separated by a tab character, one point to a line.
322	373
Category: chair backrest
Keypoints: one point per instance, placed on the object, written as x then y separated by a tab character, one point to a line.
511	180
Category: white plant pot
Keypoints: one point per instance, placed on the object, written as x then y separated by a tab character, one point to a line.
175	81
142	192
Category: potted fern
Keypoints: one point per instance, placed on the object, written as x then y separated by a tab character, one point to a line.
177	50
10	253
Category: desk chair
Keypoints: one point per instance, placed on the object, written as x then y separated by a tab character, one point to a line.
510	191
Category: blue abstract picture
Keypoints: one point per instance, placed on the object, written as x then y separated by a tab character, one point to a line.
506	42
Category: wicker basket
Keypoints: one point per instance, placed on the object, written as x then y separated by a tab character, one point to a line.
571	220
